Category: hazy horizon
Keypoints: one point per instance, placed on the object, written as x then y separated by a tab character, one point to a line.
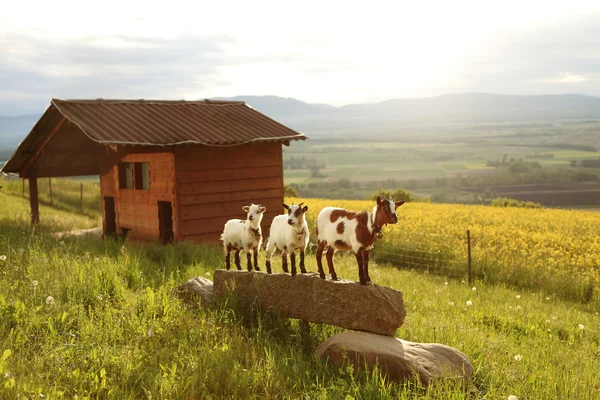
333	53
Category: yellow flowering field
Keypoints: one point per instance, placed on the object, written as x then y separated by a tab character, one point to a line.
557	251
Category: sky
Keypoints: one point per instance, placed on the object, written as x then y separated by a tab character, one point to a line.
334	52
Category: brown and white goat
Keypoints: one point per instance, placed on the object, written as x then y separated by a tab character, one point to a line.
244	235
340	229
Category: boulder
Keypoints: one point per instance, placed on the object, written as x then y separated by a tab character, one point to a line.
196	290
370	308
398	359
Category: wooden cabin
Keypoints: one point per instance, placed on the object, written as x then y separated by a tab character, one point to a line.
169	170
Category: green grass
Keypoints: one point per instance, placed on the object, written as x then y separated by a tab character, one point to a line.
115	330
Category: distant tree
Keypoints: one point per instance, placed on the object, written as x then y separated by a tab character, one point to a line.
289	191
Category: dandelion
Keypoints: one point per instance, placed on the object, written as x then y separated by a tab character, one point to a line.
463	282
469	302
6	375
96	259
547	321
62	243
518	307
445	283
547	298
2	258
518	357
549	330
513	397
150	333
50	300
581	327
518	296
450	303
34	283
207	274
474	289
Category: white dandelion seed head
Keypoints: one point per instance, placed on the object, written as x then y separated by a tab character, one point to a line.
50	300
518	307
549	330
2	257
518	357
513	397
547	298
469	302
34	283
150	333
518	296
6	375
463	282
547	321
96	259
445	283
450	303
474	289
581	327
207	274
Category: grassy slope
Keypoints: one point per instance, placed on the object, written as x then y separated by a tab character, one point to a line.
116	331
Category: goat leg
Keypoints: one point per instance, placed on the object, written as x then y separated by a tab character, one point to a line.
293	260
329	257
365	256
249	258
320	248
255	251
237	260
302	269
359	261
284	263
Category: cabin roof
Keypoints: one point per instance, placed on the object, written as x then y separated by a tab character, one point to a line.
152	123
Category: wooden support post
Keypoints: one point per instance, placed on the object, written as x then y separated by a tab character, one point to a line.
81	197
50	189
469	255
33	199
23	190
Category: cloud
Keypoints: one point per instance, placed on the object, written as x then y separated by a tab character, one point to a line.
566	77
112	67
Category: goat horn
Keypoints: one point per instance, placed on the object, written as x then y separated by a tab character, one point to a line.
300	205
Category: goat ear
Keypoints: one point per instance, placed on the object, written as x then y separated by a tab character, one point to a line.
246	209
380	199
399	203
263	209
305	209
285	206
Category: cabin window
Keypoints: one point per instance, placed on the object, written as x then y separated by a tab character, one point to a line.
126	175
142	175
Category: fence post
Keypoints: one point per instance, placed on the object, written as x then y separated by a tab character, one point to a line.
23	190
81	197
470	270
50	189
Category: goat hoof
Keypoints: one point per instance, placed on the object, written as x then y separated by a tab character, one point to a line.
322	276
256	269
334	278
239	268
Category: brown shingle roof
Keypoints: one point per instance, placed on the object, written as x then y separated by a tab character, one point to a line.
149	123
158	122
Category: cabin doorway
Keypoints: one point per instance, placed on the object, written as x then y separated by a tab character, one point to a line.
110	217
165	222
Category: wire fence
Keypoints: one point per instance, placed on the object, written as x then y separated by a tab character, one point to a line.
449	255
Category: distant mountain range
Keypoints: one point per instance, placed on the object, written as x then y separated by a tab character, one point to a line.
389	117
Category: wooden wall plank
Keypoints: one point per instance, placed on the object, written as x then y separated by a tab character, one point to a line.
229	186
229	174
228	209
249	196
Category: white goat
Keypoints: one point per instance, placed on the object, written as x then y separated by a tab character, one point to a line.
288	233
244	235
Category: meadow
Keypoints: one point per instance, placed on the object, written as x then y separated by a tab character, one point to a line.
97	319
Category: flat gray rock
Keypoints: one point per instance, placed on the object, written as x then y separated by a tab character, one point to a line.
196	290
399	359
370	308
